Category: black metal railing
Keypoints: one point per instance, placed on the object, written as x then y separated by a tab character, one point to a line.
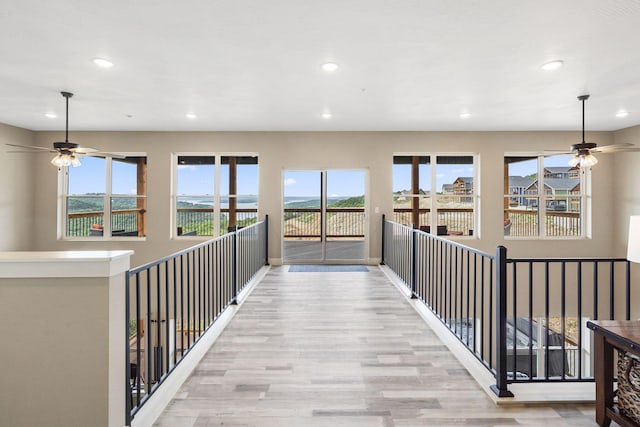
524	319
173	301
549	303
397	250
251	252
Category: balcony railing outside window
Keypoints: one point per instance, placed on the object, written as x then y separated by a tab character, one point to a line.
341	223
524	222
86	224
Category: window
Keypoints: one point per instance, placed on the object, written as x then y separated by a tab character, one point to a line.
106	197
544	197
210	201
194	201
436	189
412	190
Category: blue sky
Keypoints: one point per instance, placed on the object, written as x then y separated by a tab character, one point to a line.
340	183
199	179
90	177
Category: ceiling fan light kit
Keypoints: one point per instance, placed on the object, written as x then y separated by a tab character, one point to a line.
63	159
583	160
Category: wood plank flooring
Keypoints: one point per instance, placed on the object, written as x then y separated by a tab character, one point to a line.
339	349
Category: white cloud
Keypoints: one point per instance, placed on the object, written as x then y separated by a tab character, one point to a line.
133	191
289	181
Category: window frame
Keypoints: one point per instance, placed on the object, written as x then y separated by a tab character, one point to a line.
107	197
585	198
433	190
218	193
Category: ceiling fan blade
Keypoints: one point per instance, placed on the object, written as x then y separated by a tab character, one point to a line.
615	148
33	147
29	152
101	154
83	150
556	152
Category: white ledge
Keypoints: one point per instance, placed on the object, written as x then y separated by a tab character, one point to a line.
63	264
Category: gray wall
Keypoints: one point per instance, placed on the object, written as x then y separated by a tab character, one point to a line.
373	151
16	192
28	200
626	176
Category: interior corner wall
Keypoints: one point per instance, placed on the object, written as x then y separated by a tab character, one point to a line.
626	175
16	195
372	151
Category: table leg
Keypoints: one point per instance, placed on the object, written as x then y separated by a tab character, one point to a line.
604	379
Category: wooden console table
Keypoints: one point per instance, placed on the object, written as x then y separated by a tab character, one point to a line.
610	335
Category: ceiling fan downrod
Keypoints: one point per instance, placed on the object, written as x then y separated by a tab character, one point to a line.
68	95
583	98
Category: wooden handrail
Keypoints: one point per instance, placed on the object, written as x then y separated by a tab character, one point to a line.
196	210
100	213
561	214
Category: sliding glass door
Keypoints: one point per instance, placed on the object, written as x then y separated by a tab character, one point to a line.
324	216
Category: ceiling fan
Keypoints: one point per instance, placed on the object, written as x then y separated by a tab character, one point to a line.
67	153
583	152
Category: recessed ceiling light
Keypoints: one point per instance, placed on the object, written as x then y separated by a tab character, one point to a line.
101	62
622	113
50	115
191	115
326	115
465	115
552	65
330	66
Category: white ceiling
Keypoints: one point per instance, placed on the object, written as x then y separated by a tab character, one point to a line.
255	64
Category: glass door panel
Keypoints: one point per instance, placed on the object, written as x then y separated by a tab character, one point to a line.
345	221
324	216
302	216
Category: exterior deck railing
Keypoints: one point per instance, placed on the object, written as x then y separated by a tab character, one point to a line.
524	319
524	222
173	301
79	224
197	221
562	224
458	220
306	223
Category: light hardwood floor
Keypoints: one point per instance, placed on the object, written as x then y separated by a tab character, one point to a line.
339	349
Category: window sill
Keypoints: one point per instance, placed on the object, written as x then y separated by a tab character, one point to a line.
105	239
549	238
